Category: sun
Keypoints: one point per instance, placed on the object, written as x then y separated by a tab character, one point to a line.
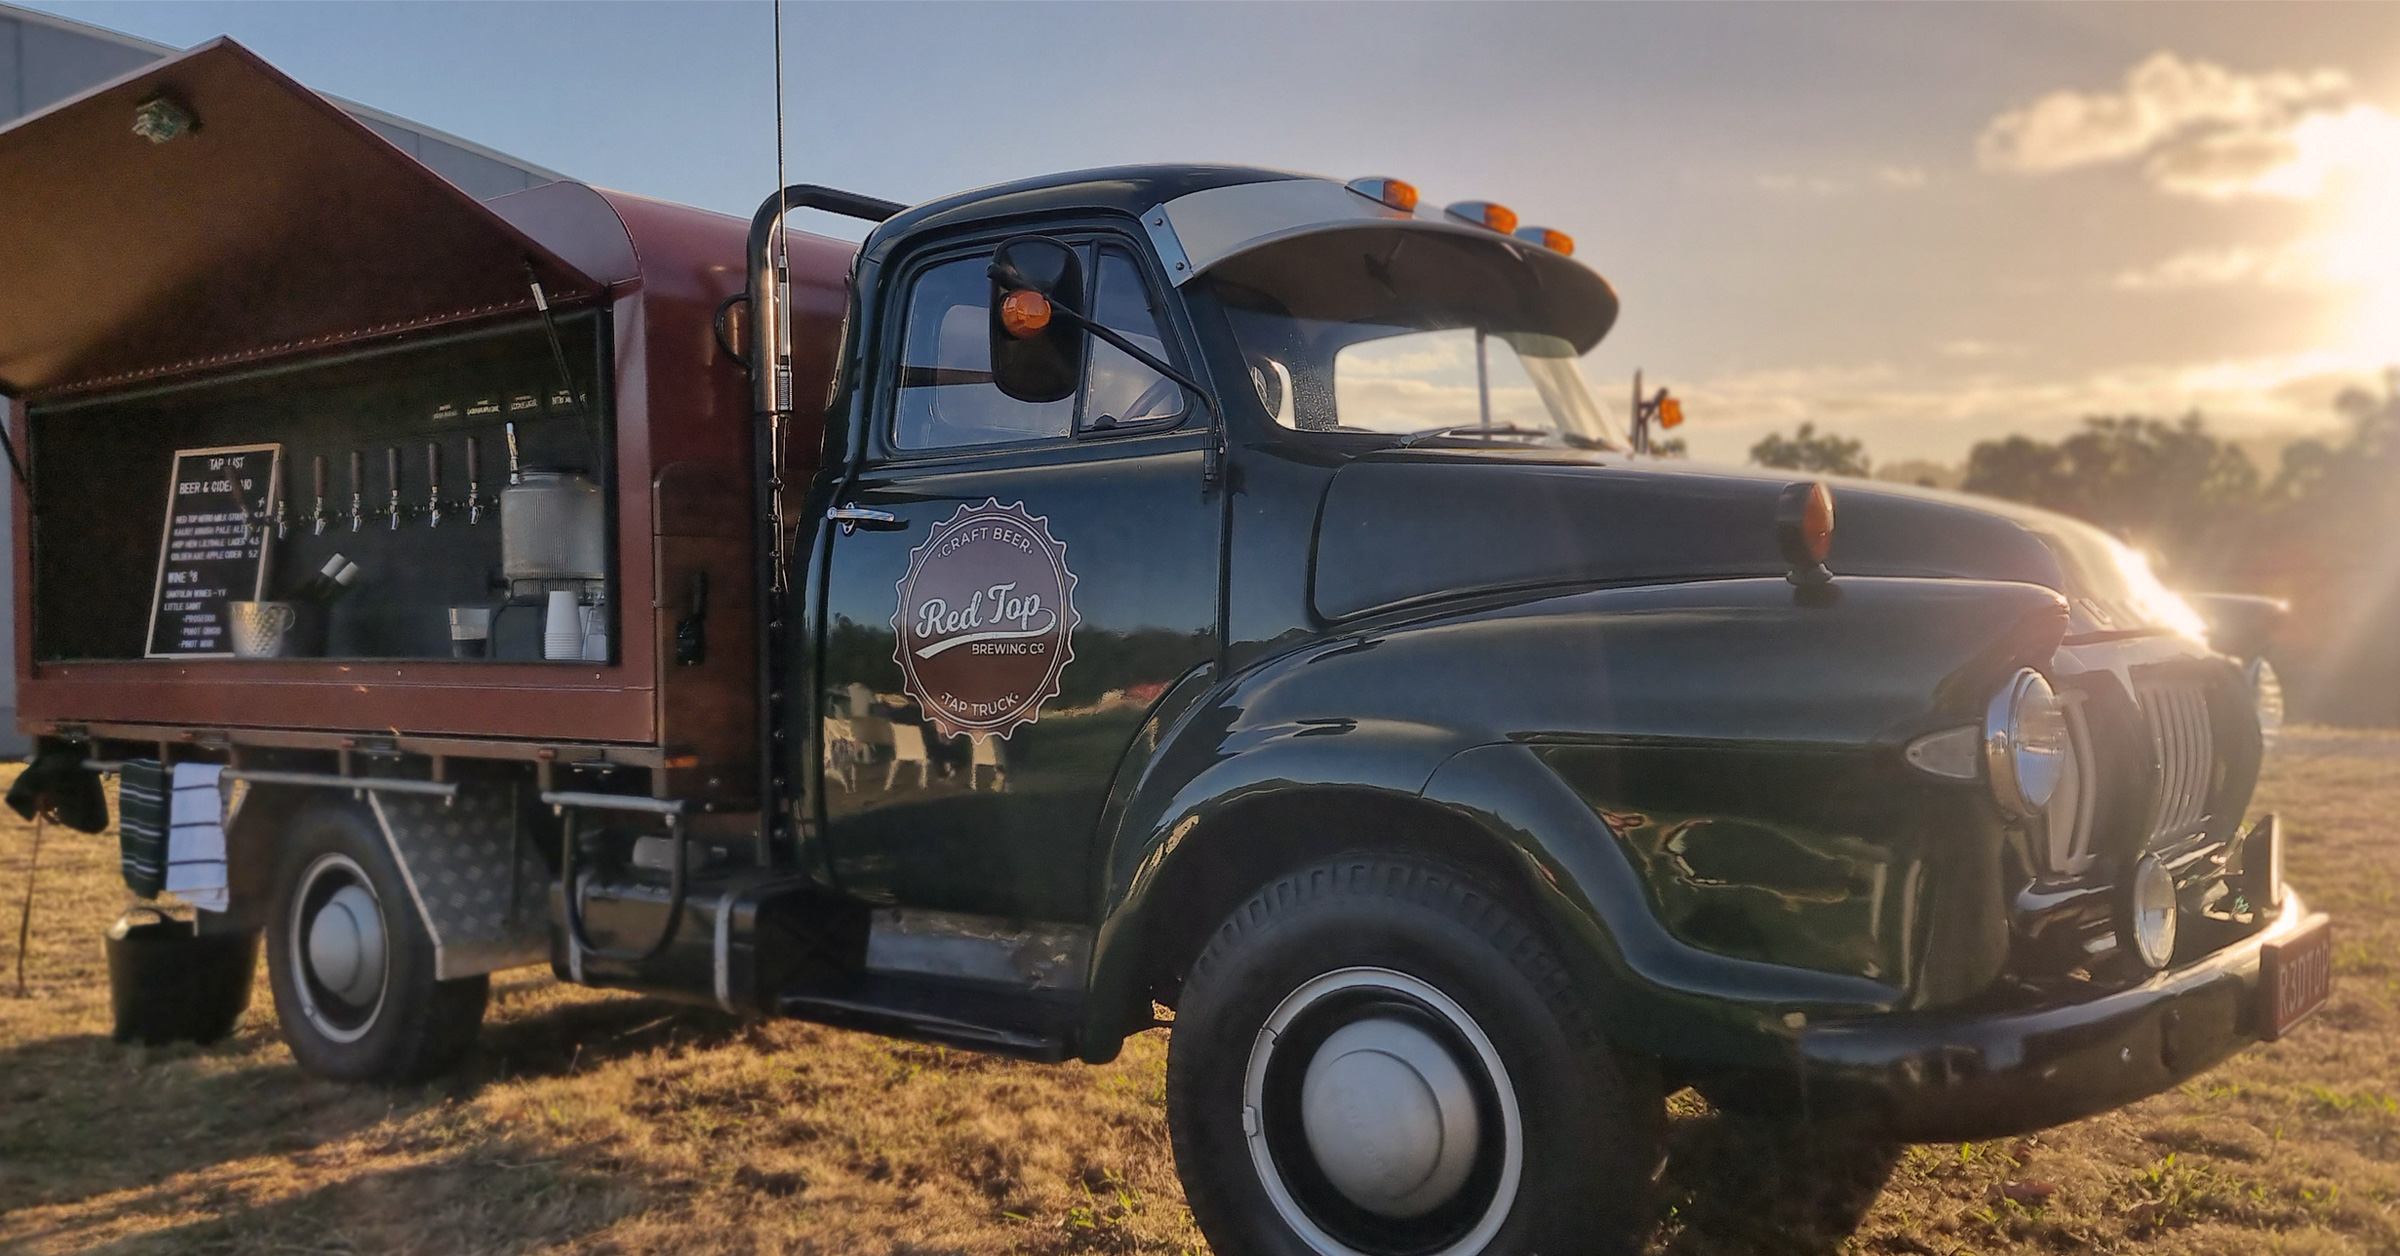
2351	161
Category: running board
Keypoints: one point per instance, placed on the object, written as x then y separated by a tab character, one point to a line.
996	1020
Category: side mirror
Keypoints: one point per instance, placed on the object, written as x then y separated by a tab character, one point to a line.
1036	355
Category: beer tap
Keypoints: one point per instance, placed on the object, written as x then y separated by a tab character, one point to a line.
391	473
358	488
433	484
474	481
515	475
316	517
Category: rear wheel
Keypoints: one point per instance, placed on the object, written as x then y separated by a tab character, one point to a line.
1376	1057
351	964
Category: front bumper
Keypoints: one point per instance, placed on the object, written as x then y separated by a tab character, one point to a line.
1949	1077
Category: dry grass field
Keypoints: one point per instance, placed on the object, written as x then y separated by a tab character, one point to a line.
598	1123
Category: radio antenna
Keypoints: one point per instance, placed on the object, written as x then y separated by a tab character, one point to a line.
781	208
780	352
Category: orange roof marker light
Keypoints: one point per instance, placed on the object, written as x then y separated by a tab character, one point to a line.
1398	195
1558	242
1499	218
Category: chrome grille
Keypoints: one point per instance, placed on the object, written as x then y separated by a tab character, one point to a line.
2067	822
2177	713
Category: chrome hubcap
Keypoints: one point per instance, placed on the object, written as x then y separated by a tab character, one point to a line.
1380	1119
345	945
1390	1117
339	949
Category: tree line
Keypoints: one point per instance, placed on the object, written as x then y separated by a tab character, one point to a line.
2321	527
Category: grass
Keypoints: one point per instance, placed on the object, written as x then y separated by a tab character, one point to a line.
600	1123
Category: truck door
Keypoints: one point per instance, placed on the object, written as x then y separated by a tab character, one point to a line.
1049	571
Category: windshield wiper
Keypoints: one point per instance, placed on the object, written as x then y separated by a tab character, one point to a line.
1475	429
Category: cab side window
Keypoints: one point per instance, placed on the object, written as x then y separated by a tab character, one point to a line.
1121	390
947	397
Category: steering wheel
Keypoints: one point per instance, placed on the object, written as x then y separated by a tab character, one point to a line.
1157	392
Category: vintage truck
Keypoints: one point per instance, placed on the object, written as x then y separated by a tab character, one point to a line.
1182	588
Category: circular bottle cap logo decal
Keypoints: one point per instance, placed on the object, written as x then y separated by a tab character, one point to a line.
986	620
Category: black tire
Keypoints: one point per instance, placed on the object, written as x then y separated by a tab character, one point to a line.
413	1027
1379	941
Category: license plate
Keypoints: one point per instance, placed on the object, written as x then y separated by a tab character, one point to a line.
2295	978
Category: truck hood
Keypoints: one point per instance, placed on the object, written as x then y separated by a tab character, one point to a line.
1406	526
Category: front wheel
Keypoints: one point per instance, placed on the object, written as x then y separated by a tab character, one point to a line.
1376	1057
351	964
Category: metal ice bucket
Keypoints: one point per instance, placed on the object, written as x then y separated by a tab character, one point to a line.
275	630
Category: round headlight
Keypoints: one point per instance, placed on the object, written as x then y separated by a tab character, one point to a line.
2153	912
2025	744
2266	693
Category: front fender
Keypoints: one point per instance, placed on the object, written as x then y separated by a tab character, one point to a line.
1511	717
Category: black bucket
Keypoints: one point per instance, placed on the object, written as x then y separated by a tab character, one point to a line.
168	983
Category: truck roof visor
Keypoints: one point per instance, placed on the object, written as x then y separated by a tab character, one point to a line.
208	210
1358	259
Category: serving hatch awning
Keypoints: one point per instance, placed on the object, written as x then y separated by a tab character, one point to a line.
275	223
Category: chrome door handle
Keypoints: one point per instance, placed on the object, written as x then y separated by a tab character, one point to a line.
853	518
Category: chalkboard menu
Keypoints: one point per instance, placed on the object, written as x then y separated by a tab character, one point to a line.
220	518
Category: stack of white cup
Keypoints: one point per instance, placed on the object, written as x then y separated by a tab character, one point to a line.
562	627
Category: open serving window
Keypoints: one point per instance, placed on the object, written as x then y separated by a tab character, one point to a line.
444	499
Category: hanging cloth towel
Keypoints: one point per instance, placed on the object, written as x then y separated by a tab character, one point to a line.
196	838
143	789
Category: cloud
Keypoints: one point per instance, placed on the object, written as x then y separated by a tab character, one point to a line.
1896	178
2199	121
1815	185
2298	266
1976	350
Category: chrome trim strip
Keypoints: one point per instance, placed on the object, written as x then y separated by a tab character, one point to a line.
614	802
328	780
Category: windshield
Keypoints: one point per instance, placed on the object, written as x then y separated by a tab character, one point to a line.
1421	371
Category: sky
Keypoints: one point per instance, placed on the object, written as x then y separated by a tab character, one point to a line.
1921	226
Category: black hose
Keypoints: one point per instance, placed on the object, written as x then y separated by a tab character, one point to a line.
574	897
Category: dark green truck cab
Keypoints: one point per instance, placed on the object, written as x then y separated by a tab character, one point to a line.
1459	778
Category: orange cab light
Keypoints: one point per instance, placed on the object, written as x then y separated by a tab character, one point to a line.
1499	218
1394	193
1024	313
1558	242
1816	522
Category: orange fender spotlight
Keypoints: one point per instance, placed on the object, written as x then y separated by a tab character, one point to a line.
1804	532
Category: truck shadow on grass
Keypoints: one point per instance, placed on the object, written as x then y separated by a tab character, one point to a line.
564	1038
1738	1186
82	1117
490	1197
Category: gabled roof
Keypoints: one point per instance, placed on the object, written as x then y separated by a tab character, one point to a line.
279	223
